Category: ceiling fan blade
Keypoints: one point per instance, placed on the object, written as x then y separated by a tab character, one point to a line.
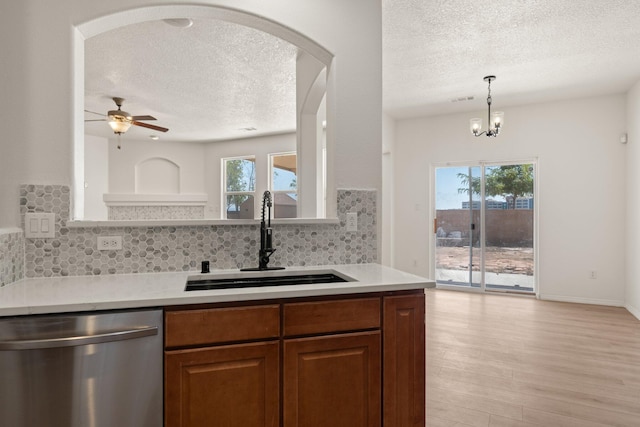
96	120
93	112
143	118
148	126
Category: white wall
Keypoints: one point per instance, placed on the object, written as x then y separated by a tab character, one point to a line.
632	297
199	163
34	140
387	202
581	187
38	126
122	163
96	176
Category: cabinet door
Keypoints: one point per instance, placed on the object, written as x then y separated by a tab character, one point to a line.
332	381
228	386
404	361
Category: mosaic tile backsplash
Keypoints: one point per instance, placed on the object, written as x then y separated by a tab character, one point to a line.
11	256
155	212
73	251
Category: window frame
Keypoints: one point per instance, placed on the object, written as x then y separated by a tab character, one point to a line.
271	157
225	193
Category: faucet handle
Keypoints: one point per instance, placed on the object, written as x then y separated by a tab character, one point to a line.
264	257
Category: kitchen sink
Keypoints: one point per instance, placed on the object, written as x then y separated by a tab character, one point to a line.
199	283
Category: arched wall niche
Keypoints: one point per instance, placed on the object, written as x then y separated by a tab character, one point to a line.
157	175
136	15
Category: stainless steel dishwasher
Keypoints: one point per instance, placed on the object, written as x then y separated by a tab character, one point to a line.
82	370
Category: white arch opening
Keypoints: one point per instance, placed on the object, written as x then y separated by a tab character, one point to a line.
119	19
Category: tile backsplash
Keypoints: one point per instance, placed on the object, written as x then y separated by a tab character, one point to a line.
73	251
124	213
11	256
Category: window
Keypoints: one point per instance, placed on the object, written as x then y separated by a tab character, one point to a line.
283	184
239	187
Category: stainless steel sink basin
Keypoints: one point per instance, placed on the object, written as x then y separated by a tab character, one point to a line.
253	280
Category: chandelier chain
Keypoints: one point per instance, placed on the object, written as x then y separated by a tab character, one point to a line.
489	96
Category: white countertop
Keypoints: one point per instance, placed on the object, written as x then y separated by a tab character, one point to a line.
121	291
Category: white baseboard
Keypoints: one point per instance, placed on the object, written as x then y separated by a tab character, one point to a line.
579	300
631	309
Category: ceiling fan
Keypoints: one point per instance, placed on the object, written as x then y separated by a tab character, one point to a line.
120	121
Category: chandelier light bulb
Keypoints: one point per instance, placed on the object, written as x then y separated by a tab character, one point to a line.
476	125
498	119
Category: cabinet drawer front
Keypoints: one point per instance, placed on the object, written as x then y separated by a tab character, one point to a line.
331	316
217	325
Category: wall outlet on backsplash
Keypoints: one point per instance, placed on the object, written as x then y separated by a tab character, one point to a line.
109	243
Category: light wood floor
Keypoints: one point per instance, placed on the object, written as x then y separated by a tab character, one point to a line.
496	360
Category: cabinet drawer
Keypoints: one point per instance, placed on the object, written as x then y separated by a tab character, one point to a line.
217	325
331	316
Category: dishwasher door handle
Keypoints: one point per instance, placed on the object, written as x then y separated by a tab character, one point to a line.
73	341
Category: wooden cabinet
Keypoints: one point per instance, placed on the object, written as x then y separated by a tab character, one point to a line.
226	386
332	381
224	381
317	317
352	361
220	325
404	361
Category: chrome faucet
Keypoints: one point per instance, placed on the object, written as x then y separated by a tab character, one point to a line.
266	237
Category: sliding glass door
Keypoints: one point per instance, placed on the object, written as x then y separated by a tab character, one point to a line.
508	219
457	226
484	226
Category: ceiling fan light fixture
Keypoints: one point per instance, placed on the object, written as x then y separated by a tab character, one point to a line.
119	123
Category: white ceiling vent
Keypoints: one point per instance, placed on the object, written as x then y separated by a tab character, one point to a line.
179	22
462	99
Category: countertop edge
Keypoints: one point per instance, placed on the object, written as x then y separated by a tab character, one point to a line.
118	292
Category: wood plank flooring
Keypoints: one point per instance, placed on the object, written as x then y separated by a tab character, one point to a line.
495	360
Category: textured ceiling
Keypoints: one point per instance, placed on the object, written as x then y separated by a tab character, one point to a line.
207	82
439	50
214	79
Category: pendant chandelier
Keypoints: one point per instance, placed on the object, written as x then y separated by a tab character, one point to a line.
496	120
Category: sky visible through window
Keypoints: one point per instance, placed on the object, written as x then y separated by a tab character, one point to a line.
447	184
283	180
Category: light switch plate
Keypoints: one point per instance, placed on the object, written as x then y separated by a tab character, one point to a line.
39	225
352	221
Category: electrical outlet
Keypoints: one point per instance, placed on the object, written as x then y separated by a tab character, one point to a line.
109	243
593	274
352	221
